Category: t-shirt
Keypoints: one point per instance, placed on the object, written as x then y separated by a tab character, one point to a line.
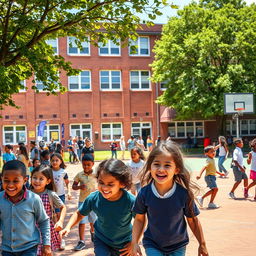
238	156
167	228
8	157
80	144
59	177
131	144
33	153
210	167
113	146
222	151
56	201
89	181
253	163
113	225
86	150
135	169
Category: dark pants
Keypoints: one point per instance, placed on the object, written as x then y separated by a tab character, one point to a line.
29	252
114	154
100	248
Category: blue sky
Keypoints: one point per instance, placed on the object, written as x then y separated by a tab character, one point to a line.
167	11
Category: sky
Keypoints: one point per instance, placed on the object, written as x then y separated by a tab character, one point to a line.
168	12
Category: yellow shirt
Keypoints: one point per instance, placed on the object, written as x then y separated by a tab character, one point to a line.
89	181
210	167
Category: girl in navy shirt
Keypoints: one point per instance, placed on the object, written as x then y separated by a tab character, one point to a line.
167	199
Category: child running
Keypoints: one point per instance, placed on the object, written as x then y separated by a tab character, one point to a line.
223	154
252	160
166	199
20	211
136	164
86	183
113	207
238	169
210	178
43	185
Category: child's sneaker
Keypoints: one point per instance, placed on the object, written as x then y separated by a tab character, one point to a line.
226	174
213	206
232	195
80	246
200	200
62	245
246	195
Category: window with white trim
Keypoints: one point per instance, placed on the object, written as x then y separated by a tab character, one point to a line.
139	80
247	127
109	49
51	131
73	48
110	80
142	47
81	130
80	82
183	129
163	85
14	134
41	86
138	127
54	44
23	87
111	131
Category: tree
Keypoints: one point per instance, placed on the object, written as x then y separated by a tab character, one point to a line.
207	50
25	26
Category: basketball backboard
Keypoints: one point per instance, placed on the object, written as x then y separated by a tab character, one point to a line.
234	101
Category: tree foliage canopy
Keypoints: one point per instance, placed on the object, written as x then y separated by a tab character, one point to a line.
207	50
26	24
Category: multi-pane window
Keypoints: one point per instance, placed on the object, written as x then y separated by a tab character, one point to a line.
73	48
22	86
111	131
183	129
247	127
80	82
40	85
81	130
14	134
139	128
51	132
139	80
110	80
110	48
54	44
140	47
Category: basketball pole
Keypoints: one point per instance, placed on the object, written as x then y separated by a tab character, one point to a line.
237	125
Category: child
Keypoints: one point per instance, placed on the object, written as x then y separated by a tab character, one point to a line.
166	199
85	182
20	211
35	163
252	160
42	184
113	147
223	154
210	178
136	164
45	157
113	207
238	169
8	155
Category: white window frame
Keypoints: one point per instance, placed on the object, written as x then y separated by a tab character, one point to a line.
232	124
49	42
108	46
111	132
81	129
141	127
78	49
140	81
24	84
163	83
138	44
48	132
80	82
42	90
14	134
110	80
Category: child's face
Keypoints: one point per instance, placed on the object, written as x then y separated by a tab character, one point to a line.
211	153
240	144
47	157
55	162
36	163
163	168
109	186
13	182
39	182
87	166
135	156
7	150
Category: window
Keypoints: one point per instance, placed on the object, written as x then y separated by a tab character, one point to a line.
111	131
139	80
23	87
110	80
54	44
14	134
110	48
81	130
141	129
247	127
163	85
50	132
41	86
142	47
73	47
80	82
183	129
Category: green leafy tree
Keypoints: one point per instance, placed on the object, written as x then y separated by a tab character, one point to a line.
25	25
207	50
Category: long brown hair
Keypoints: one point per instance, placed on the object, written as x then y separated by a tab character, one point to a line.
182	177
24	152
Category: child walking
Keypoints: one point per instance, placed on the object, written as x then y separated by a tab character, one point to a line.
239	169
210	178
136	164
8	155
86	183
113	207
166	199
223	154
43	185
21	211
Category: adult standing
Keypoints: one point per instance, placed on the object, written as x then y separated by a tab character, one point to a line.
122	146
80	144
52	147
34	152
131	143
88	148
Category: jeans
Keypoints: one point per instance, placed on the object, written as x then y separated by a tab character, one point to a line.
114	153
29	252
102	249
79	153
220	163
154	252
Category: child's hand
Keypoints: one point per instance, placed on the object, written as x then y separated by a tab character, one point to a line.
198	177
64	232
83	187
126	251
202	250
69	197
135	250
46	250
58	226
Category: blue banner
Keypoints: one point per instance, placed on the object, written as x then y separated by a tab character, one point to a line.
62	131
41	129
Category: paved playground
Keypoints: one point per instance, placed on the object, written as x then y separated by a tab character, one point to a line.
229	230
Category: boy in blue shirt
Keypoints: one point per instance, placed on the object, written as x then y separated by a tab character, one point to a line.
20	211
8	155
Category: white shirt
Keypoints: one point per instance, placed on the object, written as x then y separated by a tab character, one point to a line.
238	156
122	145
135	169
222	151
59	182
167	194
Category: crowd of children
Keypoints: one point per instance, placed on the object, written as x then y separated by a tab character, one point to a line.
162	196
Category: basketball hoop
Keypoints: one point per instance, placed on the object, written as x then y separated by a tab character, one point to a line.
240	111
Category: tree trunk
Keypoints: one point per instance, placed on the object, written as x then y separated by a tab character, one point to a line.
221	124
